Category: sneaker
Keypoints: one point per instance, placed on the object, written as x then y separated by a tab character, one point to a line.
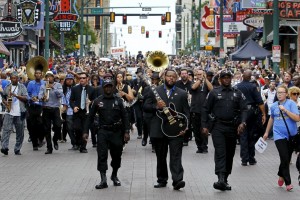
299	179
280	182
289	187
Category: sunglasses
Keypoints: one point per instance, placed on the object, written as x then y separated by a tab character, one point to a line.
82	77
295	94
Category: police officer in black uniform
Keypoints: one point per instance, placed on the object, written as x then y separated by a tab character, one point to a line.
112	131
228	107
251	133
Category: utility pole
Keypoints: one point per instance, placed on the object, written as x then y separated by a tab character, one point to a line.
47	30
275	31
221	33
81	28
199	28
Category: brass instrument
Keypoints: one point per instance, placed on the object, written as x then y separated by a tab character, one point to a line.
47	92
157	61
37	62
9	100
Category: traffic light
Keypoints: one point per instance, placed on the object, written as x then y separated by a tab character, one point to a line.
159	34
147	34
129	29
112	16
143	29
163	20
168	16
124	19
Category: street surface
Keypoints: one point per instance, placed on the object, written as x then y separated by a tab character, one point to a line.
71	175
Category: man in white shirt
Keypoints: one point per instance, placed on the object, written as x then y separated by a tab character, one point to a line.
269	94
16	96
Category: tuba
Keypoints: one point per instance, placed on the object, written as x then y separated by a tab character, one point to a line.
37	62
157	61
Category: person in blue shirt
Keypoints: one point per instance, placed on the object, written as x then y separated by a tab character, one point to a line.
281	134
34	120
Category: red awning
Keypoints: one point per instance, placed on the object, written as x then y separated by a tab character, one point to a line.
3	49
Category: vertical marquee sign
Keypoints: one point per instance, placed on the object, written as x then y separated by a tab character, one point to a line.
67	16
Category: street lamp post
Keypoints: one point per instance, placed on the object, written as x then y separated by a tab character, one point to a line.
47	30
199	28
221	33
275	31
81	28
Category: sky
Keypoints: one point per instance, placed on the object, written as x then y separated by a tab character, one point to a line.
136	41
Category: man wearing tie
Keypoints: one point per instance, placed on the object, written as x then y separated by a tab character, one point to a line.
81	96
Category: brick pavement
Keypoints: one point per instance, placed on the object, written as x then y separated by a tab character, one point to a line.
71	175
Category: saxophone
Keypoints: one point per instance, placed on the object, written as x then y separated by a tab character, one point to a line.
47	92
9	100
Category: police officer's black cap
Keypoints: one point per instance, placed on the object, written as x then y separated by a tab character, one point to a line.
225	73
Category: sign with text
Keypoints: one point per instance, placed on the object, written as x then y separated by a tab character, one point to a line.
234	27
276	51
287	9
254	4
254	22
67	16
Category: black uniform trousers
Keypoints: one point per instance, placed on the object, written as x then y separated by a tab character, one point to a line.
79	120
224	140
146	127
35	124
201	139
161	150
112	140
138	115
51	115
248	138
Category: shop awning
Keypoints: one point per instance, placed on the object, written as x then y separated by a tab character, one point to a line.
3	49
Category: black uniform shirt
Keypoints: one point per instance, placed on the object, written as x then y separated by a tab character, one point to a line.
251	93
198	98
225	104
184	86
110	111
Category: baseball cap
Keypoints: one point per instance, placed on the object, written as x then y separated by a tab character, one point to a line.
69	76
49	73
107	82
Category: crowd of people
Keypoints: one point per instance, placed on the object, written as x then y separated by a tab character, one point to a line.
235	103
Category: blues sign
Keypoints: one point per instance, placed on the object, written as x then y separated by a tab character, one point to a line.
67	16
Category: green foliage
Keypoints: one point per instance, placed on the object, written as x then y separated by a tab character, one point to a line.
71	38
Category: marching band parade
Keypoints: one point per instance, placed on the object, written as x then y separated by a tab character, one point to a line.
102	101
186	118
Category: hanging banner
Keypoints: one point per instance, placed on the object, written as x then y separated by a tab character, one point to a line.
29	13
67	16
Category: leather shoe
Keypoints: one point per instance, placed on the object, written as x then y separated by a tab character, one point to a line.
103	183
244	164
4	151
160	185
18	153
83	151
115	180
228	187
48	151
179	185
144	142
35	148
55	145
253	162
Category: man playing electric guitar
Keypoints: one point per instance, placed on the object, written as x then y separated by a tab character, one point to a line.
163	96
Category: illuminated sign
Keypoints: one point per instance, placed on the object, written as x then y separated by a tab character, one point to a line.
254	22
67	16
29	13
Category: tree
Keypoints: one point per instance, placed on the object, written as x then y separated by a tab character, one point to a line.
71	38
